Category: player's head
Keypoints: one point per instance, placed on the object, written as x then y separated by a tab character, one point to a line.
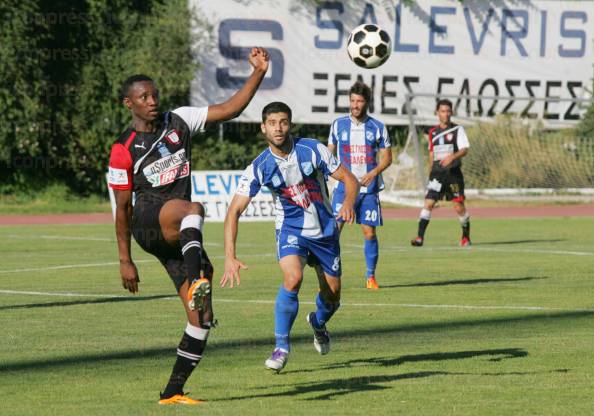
276	123
139	93
359	97
443	110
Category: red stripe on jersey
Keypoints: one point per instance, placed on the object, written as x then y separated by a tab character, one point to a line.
431	138
130	139
120	158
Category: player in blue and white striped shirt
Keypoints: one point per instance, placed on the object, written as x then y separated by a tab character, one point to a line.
360	140
295	171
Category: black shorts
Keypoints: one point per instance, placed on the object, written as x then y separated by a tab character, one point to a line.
146	230
446	183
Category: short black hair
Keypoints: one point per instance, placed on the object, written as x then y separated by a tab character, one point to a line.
443	101
131	81
276	107
360	88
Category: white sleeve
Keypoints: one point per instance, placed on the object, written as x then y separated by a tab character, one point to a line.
384	139
332	139
328	163
462	138
195	117
249	183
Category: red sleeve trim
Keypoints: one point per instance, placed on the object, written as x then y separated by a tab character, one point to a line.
120	168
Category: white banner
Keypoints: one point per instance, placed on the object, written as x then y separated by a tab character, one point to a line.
507	48
215	188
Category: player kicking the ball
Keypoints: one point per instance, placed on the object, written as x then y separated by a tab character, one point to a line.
152	159
294	169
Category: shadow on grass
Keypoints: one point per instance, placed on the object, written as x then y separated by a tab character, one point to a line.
85	302
465	282
238	345
494	355
544	240
333	388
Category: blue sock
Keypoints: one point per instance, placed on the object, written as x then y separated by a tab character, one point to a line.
285	311
324	312
371	256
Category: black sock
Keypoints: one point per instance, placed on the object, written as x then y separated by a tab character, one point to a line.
189	354
466	230
465	224
190	240
423	223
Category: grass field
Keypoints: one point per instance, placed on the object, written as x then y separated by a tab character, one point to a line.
503	328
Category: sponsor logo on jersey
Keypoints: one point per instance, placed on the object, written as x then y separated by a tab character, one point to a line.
307	168
117	176
302	194
167	169
140	146
172	137
163	150
276	181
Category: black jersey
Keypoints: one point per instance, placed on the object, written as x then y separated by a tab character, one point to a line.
445	142
157	164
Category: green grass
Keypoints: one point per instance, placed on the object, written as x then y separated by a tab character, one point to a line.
55	199
451	332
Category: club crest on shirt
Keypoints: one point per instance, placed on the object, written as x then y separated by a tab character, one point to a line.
172	137
276	181
449	137
344	136
163	150
307	168
369	136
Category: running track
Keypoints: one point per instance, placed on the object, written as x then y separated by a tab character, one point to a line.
402	213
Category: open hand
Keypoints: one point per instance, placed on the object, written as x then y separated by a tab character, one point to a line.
231	275
259	59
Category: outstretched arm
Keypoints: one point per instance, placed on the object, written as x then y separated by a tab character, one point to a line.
128	271
351	190
238	102
232	265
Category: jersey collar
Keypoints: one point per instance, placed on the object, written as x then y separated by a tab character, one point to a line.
358	123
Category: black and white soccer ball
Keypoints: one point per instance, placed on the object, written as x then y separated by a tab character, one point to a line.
369	45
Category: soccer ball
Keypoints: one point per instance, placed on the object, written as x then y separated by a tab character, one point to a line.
369	46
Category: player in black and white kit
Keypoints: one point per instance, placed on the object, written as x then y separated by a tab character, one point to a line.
448	144
152	159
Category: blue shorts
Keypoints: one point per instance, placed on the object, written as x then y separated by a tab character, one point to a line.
368	210
322	251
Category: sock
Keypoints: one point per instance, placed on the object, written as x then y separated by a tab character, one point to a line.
324	312
285	312
371	255
424	219
190	240
465	223
189	354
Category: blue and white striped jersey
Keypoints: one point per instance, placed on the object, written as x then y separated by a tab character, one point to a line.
298	186
357	146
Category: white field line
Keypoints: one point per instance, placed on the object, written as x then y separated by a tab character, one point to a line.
271	302
113	263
